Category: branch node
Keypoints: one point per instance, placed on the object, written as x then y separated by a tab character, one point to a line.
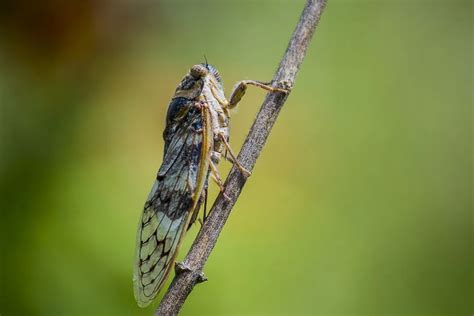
181	267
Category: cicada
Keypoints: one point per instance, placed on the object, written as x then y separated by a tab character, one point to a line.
196	138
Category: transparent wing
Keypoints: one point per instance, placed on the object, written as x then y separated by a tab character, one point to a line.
170	203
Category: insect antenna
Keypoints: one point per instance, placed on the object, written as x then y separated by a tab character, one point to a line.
207	65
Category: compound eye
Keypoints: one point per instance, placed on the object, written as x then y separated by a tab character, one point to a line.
198	71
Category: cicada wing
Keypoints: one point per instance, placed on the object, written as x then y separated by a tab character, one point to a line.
170	204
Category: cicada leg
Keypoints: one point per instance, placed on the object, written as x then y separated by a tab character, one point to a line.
239	91
244	171
217	178
204	215
202	199
241	87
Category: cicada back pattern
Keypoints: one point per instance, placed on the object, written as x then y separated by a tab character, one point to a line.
196	138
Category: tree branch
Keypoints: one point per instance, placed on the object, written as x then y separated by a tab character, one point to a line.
189	273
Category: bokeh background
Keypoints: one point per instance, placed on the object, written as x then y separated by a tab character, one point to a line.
361	202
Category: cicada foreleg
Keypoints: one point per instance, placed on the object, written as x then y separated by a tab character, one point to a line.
241	87
239	91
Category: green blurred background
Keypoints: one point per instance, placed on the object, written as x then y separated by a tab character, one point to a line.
361	202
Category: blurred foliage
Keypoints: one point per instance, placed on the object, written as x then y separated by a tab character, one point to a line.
361	203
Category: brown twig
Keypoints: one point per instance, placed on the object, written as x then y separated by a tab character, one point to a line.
189	273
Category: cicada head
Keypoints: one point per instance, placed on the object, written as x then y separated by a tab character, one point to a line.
192	84
199	71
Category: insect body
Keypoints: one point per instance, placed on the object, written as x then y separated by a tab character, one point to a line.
196	136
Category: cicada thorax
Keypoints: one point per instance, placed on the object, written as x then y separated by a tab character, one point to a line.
212	93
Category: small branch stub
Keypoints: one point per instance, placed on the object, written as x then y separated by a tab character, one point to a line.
181	268
189	273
